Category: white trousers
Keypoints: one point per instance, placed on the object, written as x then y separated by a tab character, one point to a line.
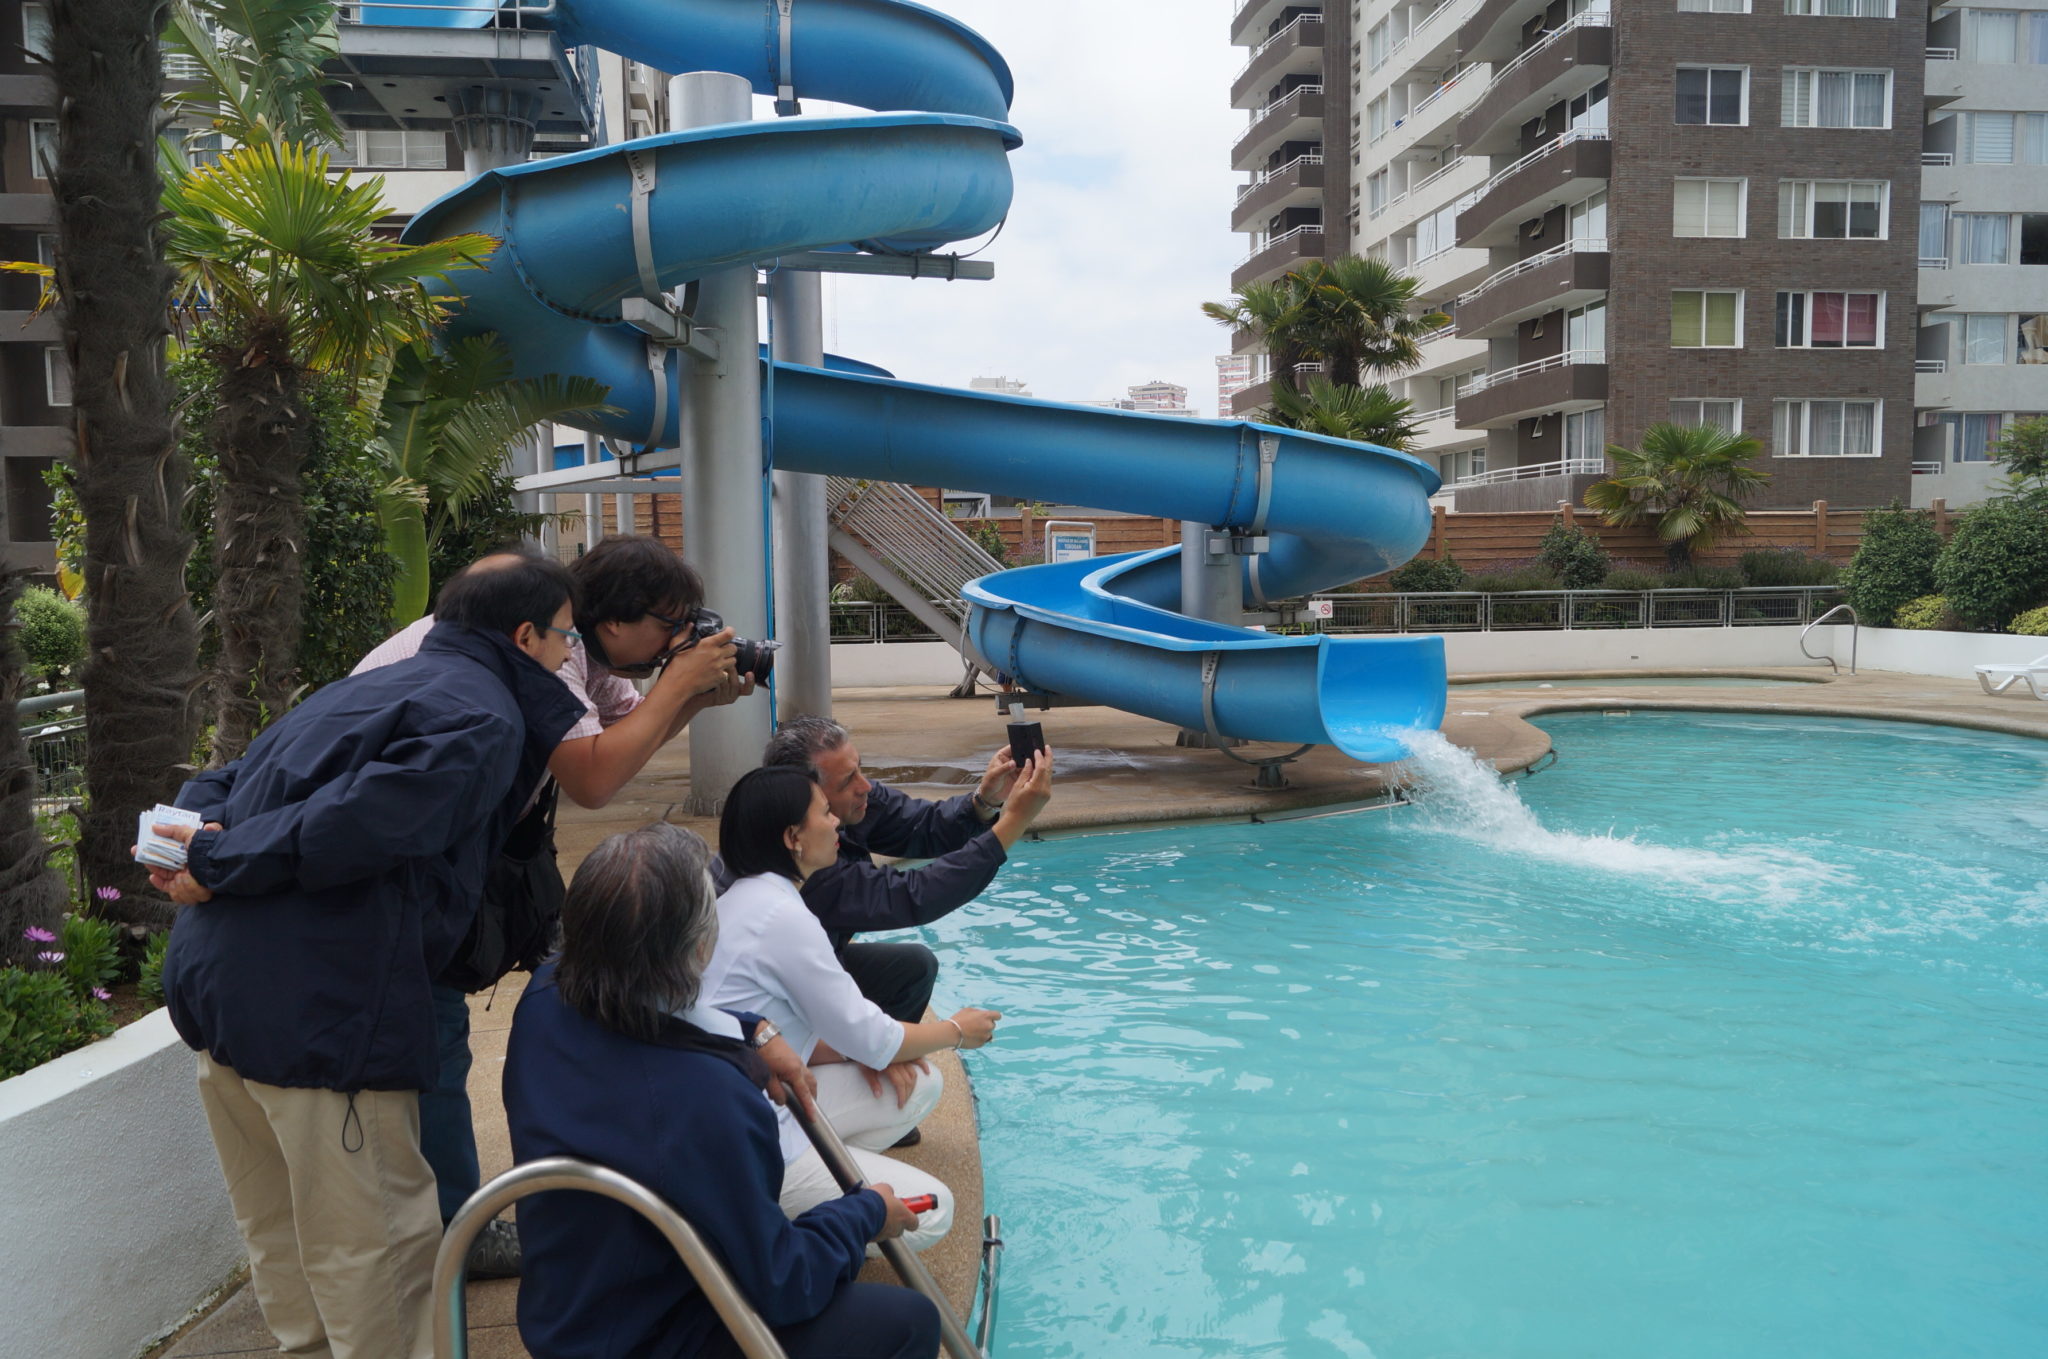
869	1124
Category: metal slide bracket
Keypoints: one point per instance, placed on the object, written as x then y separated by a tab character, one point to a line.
654	314
786	105
1271	771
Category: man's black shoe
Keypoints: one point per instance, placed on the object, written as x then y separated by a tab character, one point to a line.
495	1252
909	1139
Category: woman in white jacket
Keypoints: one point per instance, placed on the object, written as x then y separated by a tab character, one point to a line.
775	960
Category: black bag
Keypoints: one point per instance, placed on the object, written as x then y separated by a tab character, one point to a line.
519	921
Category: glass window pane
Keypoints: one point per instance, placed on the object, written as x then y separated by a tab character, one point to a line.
1724	208
1990	139
1860	321
1787	427
1689	208
1859	429
2032	335
2036	49
1984	339
1986	237
1791	325
1934	231
1724	105
1866	211
1824	429
2034	238
1721	319
1873	99
1692	96
1686	312
1992	35
1829	312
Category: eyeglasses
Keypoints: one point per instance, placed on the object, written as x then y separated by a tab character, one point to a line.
701	623
572	636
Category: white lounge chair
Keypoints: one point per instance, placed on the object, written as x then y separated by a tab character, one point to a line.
1996	679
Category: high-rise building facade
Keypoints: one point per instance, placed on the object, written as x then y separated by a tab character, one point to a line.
35	383
1233	375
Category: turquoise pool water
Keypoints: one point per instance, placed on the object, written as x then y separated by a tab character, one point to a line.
1632	681
1474	1079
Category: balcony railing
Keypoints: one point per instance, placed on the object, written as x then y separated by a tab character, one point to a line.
1282	36
1268	176
1452	164
1486	382
1592	18
1282	238
1937	158
1591	244
1295	93
1928	468
1566	467
1441	332
1457	78
1440	413
1556	144
1941	54
1930	365
1527	610
1934	261
1427	21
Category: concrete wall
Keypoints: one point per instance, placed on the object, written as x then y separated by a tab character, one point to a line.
117	1222
1950	654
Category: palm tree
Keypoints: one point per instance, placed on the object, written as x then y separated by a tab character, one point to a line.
1687	480
442	428
31	896
1359	318
141	667
1273	315
1366	415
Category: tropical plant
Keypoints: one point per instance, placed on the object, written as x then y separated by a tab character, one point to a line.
442	428
1687	482
1894	563
491	522
31	894
92	955
1272	315
1426	575
1996	564
259	65
1366	415
2032	623
1786	566
149	983
142	639
52	632
1574	556
1359	318
1929	613
2023	451
41	1019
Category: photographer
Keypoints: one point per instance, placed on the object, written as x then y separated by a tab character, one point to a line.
635	617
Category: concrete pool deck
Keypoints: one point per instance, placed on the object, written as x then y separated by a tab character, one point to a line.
1115	771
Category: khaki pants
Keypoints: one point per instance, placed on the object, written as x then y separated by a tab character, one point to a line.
337	1207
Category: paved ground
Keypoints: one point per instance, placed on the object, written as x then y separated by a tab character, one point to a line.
1117	770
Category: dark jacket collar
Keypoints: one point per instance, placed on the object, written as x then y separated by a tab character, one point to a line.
545	702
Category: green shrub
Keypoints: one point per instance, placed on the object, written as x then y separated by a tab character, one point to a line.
41	1019
1929	613
1508	579
1424	575
1787	566
1893	564
1574	556
1634	578
1996	565
151	984
2032	623
1703	578
989	539
52	631
92	955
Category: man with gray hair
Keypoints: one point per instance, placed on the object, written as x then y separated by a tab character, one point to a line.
967	839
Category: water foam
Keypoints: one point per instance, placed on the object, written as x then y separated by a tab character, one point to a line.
1456	793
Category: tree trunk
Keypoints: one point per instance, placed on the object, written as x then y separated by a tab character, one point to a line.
31	896
260	429
142	643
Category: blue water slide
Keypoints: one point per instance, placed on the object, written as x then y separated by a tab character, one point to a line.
1107	630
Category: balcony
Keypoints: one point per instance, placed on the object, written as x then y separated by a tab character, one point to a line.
39	441
1555	173
23	327
1441	276
1569	275
27	92
1277	256
1571	381
1568	61
1248	26
28	210
1495	29
399	72
1533	486
1433	121
1295	184
1296	116
1295	50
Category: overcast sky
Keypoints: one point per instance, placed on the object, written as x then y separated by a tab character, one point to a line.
1120	229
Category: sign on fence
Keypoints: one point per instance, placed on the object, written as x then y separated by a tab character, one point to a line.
1321	608
1068	540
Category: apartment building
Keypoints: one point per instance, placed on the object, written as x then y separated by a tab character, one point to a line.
1233	375
35	384
1983	353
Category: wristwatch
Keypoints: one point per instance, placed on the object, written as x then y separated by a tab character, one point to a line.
764	1033
993	809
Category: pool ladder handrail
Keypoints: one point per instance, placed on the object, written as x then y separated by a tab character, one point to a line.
1854	629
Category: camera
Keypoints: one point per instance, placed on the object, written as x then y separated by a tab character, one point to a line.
751	658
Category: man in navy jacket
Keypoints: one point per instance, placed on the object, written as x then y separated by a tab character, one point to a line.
967	839
340	866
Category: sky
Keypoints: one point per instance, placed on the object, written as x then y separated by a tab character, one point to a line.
1121	224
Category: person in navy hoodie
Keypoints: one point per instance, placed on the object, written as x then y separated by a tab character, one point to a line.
340	865
613	1060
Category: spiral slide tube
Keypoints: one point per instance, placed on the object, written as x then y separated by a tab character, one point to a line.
1104	631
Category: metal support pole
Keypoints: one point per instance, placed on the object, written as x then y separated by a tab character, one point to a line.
1211	587
803	607
724	511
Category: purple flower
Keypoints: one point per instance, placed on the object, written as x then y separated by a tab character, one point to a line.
51	956
36	934
102	993
107	893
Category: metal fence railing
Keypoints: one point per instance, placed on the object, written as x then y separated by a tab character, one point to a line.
1467	611
53	726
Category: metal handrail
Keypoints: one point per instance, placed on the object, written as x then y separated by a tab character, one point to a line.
1532	471
451	1264
1268	176
1935	366
1488	381
1592	18
1855	629
1558	143
1433	176
1458	78
1313	229
1260	50
1591	244
42	703
1937	158
1294	93
1927	467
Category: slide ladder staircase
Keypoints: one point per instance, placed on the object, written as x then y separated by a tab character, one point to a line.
917	554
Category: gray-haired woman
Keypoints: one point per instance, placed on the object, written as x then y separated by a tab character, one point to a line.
613	1060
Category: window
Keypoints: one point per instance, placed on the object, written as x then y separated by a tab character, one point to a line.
1833	209
1830	320
1706	320
2003	139
1376	191
1376	118
1707	410
1934	235
2003	35
29	499
35	31
1827	429
1587	221
1457	466
2031	336
46	251
2002	237
1717	96
1376	45
1983	338
1817	98
1708	207
56	377
1585	332
1713	6
1436	233
1585	434
1588	110
1972	435
1842	9
42	147
394	151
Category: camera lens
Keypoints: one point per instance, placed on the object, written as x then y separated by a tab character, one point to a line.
754	659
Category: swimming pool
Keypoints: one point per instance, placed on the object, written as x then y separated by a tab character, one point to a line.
1633	681
1769	1079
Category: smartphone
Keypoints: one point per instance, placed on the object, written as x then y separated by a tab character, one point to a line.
1026	740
